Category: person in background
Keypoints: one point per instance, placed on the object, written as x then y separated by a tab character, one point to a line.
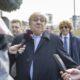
49	28
70	42
34	59
16	30
16	27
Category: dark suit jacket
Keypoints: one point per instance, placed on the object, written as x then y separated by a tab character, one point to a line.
74	48
44	67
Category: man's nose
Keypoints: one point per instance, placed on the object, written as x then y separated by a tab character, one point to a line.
38	21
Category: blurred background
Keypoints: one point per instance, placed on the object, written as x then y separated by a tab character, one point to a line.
55	10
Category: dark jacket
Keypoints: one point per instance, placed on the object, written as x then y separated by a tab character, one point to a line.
44	67
74	48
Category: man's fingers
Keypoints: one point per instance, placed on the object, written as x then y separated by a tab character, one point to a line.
15	48
21	50
65	75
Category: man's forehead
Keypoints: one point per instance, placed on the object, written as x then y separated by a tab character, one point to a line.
17	24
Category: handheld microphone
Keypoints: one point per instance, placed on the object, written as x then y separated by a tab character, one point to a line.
59	62
26	37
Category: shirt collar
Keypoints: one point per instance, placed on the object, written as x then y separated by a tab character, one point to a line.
45	35
66	36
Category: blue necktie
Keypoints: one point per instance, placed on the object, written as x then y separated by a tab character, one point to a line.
65	43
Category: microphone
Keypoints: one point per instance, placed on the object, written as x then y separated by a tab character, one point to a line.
59	62
27	36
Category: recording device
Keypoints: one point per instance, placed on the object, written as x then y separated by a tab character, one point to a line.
26	37
59	62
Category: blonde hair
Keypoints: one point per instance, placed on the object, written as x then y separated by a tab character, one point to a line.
16	21
65	23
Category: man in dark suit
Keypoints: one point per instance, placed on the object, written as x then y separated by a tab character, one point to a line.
73	47
16	27
34	60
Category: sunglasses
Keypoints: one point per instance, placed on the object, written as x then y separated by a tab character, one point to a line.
64	27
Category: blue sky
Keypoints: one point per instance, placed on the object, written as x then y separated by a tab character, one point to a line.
61	9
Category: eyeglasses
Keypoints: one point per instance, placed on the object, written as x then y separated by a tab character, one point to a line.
15	26
41	20
64	27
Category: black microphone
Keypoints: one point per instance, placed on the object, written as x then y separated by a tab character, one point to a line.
59	62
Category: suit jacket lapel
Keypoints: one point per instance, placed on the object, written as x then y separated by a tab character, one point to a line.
71	44
44	37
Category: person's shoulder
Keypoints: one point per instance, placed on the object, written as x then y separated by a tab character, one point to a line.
52	36
55	36
76	38
19	36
